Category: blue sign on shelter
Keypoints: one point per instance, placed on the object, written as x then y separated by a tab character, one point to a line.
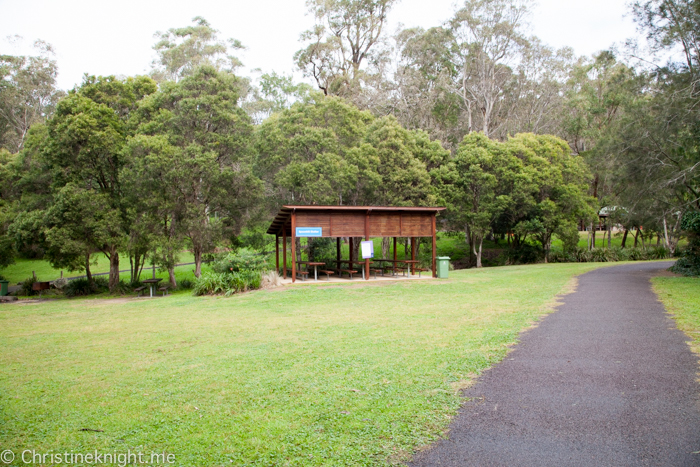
309	232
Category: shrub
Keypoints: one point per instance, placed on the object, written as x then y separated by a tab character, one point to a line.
243	260
689	262
26	287
185	284
658	252
270	279
81	286
215	283
524	254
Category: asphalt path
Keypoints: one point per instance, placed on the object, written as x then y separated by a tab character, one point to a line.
607	379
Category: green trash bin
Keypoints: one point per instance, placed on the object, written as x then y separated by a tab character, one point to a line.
443	266
3	288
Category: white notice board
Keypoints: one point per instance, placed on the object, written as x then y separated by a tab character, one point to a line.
367	249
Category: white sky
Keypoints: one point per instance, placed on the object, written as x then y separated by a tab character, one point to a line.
116	38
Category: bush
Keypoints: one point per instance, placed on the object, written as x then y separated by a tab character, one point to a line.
215	283
26	287
81	286
185	284
689	262
243	260
524	254
270	279
603	255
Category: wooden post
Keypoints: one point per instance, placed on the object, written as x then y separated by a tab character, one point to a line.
284	249
394	255
367	239
434	247
413	255
350	240
294	247
337	255
277	253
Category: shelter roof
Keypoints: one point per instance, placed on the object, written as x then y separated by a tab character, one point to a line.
286	211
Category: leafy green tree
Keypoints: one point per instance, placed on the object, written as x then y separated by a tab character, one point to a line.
302	152
84	154
193	150
558	183
472	184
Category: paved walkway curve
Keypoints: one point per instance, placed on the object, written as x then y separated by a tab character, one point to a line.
607	379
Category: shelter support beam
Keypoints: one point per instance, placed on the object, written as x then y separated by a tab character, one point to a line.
294	247
413	255
434	247
367	239
337	255
284	250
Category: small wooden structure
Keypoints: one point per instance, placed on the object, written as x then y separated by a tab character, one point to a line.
353	221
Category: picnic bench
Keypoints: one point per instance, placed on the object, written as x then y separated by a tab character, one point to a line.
328	273
138	290
350	272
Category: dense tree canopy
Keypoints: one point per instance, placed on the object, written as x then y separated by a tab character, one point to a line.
520	141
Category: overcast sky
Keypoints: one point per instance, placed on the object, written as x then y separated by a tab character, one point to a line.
105	38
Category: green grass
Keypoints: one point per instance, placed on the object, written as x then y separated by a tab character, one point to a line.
681	297
355	374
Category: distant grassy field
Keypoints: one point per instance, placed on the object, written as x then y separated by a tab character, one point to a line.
681	297
22	268
317	374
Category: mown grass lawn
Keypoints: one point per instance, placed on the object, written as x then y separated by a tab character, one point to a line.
681	297
316	374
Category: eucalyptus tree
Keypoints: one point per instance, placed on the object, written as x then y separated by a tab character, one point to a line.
425	95
28	94
345	45
181	50
489	43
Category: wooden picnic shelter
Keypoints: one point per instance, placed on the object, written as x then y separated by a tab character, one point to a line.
352	221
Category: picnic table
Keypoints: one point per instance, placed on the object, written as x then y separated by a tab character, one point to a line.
405	261
314	264
152	283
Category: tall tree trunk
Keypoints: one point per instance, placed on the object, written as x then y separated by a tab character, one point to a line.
624	238
171	277
171	268
197	252
88	274
477	253
609	225
113	270
593	229
636	237
386	244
